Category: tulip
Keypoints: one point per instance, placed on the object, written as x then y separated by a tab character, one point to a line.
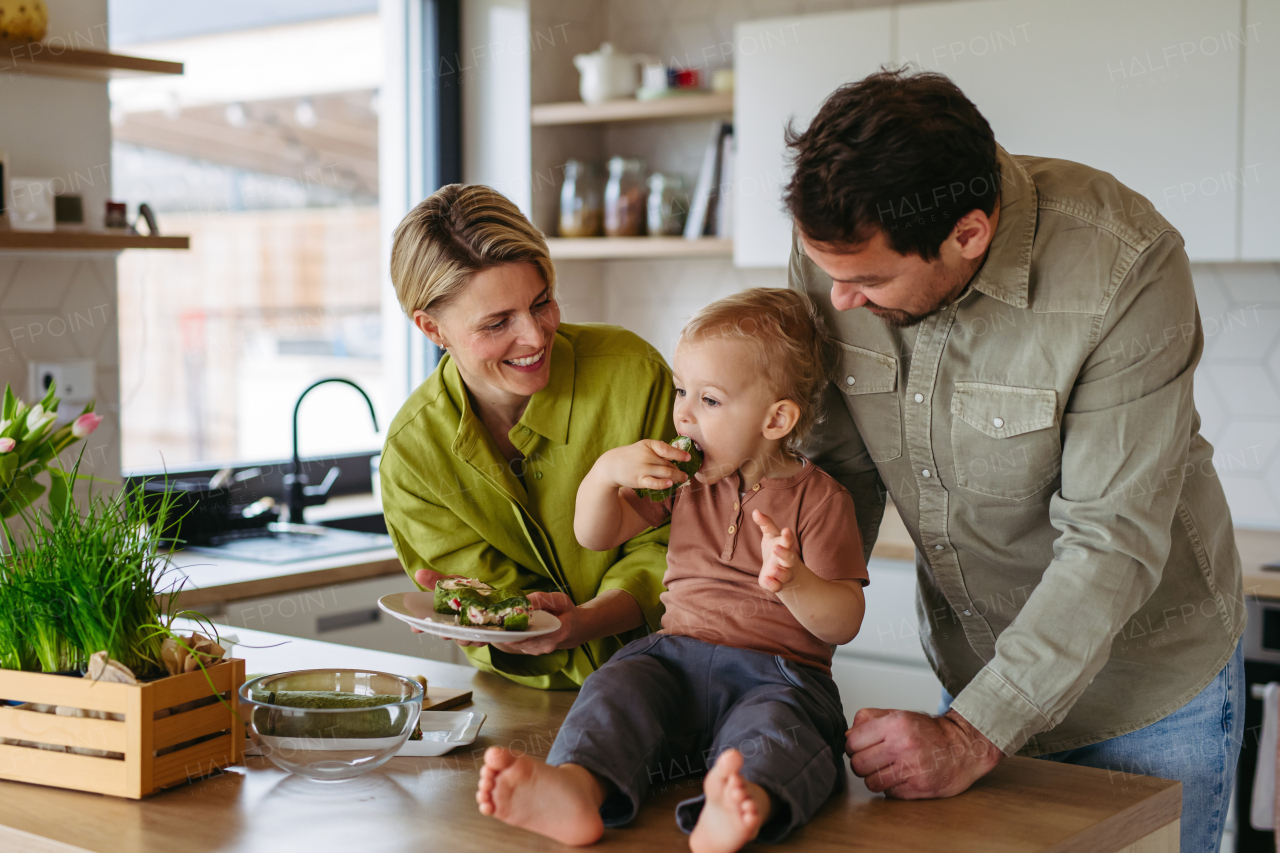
38	420
85	424
7	444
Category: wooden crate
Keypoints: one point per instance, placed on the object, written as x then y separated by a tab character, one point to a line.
138	737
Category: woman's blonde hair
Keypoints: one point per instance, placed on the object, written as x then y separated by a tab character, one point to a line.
793	350
454	233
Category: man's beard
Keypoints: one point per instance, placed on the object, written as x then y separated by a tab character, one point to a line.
896	318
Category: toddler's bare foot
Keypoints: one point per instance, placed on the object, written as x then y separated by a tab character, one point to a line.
562	803
734	810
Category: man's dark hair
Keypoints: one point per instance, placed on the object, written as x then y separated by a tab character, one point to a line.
903	152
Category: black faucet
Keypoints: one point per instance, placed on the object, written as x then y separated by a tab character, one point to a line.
298	490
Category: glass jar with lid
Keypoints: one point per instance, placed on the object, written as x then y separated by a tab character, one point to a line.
624	198
581	203
668	204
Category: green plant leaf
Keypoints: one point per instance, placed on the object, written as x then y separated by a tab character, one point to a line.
10	403
50	401
59	493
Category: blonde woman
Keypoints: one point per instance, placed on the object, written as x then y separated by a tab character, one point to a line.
482	463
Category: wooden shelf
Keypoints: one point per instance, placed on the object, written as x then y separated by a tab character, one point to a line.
607	248
17	57
86	241
662	109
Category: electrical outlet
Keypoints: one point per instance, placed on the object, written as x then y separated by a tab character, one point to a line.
74	378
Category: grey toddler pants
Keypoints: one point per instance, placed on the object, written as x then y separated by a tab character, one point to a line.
664	707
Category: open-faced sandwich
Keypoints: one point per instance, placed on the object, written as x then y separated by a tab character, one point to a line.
478	605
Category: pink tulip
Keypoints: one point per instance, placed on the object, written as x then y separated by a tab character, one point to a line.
85	424
7	444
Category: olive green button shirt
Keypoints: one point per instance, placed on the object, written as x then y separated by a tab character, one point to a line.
1078	575
453	504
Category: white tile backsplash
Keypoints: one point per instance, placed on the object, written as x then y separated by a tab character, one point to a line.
1238	384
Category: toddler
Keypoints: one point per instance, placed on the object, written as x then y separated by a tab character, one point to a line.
764	575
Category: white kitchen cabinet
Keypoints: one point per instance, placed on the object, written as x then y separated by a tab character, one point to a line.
1148	90
1260	148
784	69
877	684
884	666
343	613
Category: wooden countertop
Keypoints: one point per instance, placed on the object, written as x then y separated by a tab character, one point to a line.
416	804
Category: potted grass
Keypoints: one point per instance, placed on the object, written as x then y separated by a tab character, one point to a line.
100	693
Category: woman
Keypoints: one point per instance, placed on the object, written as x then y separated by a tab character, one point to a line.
482	464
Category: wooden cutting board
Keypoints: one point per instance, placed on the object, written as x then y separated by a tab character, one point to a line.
444	698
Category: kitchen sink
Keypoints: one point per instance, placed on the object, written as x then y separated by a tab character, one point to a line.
374	522
291	543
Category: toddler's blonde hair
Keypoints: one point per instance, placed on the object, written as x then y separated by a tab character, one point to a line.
792	347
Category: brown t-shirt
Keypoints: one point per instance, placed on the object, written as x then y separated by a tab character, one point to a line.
714	559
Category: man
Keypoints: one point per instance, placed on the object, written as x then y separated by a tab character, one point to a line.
1018	337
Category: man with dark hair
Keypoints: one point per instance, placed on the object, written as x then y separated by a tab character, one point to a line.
1018	337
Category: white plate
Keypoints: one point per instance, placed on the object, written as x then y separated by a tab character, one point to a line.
419	610
443	731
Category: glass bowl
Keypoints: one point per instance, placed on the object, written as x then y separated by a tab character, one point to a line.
292	719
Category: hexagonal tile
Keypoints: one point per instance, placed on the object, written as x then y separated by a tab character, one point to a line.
1272	479
1246	389
1247	284
1245	333
1273	364
1213	413
1246	446
39	284
1252	503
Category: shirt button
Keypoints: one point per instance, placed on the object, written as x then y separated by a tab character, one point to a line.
937	547
849	380
967	613
537	475
919	398
525	431
731	528
998	422
735	504
756	487
925	473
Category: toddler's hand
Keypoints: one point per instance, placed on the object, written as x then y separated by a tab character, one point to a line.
779	550
645	465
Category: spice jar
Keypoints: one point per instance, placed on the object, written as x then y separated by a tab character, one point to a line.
581	205
668	204
624	198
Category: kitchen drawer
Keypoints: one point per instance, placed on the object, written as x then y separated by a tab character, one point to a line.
877	684
344	613
890	630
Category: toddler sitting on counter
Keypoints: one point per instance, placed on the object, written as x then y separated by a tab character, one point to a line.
738	681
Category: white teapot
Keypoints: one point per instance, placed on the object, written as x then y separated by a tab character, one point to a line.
607	75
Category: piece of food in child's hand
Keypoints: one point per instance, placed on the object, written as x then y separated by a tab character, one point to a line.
691	467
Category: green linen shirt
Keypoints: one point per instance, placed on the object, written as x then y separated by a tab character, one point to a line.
453	504
1077	571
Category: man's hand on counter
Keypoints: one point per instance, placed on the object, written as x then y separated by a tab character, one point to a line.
912	756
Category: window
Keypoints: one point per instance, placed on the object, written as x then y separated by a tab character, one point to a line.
266	153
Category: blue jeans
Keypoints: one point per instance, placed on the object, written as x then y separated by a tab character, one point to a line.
1197	745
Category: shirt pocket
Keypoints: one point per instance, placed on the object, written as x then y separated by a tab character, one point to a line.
1004	439
870	382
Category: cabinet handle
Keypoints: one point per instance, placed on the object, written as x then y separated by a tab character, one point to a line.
350	619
